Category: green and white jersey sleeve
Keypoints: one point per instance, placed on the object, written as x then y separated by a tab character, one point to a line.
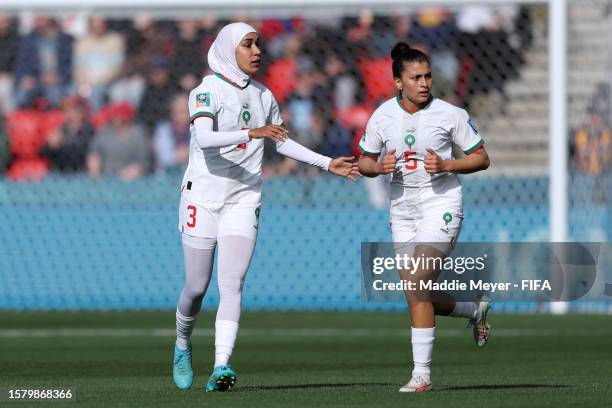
465	133
202	103
372	141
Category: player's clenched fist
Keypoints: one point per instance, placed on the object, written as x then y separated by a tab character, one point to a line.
387	164
274	132
434	164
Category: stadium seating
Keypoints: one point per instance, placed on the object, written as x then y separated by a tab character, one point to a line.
27	132
378	79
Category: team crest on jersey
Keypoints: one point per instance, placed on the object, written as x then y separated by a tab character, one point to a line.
472	125
202	99
410	139
246	116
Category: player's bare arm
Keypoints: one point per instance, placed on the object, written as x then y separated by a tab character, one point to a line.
473	162
369	166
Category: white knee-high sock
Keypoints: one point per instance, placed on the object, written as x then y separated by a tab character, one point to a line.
184	328
235	253
422	348
225	338
465	309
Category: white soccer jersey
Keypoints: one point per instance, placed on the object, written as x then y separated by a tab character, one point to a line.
437	126
229	174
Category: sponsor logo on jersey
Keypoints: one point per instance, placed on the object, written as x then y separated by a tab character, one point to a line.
472	125
202	100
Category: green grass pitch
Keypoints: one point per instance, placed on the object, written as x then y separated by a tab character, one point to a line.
123	359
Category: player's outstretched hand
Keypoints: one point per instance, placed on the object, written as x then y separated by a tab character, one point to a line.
388	162
274	132
345	167
434	164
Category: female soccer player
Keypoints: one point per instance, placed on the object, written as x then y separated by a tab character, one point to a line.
417	131
221	191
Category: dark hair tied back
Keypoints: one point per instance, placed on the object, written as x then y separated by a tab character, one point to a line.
399	49
402	53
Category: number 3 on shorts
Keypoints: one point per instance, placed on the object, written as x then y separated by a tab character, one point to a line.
192	215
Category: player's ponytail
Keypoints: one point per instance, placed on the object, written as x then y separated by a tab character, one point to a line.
402	53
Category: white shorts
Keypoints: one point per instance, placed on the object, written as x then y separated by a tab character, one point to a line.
213	220
429	218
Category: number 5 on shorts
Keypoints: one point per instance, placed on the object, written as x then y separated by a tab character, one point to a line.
192	215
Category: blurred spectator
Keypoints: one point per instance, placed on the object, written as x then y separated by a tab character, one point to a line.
337	141
188	61
344	85
159	90
434	32
97	61
145	41
66	147
281	75
171	138
9	41
119	149
44	64
360	30
593	151
483	50
593	145
301	110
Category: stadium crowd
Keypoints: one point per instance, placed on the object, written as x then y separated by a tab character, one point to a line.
108	97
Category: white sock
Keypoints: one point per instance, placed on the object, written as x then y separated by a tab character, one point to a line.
184	328
465	309
422	347
225	337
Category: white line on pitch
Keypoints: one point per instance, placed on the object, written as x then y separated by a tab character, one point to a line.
279	332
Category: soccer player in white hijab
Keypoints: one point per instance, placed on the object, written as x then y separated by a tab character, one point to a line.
417	132
231	114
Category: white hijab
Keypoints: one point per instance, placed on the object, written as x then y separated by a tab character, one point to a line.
222	53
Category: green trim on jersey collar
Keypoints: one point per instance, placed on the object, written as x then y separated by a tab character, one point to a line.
412	109
221	77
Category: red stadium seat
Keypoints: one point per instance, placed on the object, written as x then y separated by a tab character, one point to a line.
378	78
33	169
24	133
355	116
281	79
